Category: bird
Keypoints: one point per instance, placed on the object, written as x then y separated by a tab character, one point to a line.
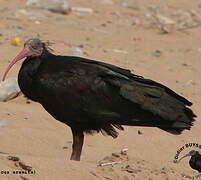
195	160
92	96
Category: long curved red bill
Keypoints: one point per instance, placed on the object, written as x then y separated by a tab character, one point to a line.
20	56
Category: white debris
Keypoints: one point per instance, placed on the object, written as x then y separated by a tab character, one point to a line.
82	10
75	51
109	163
9	89
100	30
148	16
106	1
37	22
33	14
124	4
124	151
164	20
178	13
59	6
120	51
190	82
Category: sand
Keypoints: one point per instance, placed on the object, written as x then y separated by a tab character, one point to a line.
109	34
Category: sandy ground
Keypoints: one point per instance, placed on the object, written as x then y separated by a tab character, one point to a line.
113	34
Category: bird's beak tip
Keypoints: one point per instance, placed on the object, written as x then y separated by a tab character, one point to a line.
20	56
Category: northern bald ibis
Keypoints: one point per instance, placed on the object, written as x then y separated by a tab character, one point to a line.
195	160
92	96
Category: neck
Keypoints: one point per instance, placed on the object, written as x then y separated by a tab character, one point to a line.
27	74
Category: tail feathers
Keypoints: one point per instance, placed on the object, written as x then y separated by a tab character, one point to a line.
167	112
173	131
178	126
182	122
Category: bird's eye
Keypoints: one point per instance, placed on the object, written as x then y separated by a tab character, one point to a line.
35	46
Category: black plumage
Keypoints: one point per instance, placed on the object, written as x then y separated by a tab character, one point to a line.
195	160
92	96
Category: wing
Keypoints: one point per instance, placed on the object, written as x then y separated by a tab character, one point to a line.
139	79
100	93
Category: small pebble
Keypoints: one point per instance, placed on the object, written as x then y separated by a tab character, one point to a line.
81	46
60	19
129	169
116	155
28	102
20	27
3	123
139	132
184	64
13	158
157	53
25	167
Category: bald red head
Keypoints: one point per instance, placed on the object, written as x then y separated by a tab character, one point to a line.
32	48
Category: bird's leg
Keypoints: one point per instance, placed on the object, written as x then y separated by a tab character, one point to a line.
78	139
